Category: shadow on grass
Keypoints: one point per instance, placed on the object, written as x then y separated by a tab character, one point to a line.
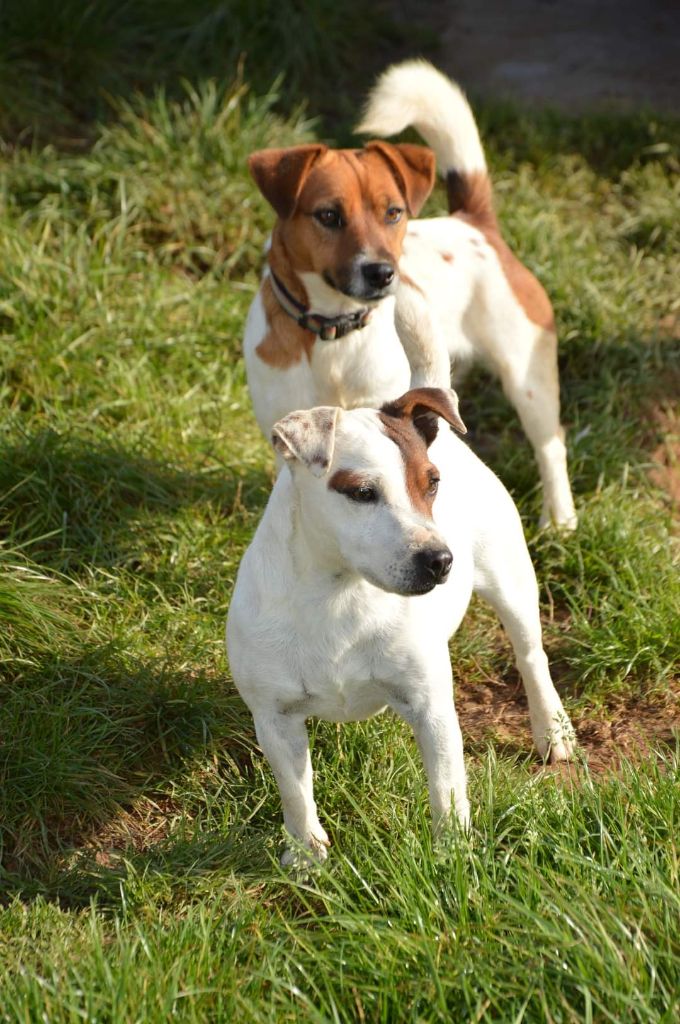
183	864
89	501
87	731
84	742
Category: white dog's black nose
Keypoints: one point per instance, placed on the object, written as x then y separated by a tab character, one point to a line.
378	275
435	563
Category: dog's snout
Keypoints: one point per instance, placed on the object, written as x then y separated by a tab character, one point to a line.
439	564
378	275
435	563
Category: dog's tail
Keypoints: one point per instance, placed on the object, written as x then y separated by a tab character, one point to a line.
416	94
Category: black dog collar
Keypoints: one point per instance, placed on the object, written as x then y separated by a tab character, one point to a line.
327	328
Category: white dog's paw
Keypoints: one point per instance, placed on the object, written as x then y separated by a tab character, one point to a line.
562	750
558	741
451	824
462	813
307	853
565	520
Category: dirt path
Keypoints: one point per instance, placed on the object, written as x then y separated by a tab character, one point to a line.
621	54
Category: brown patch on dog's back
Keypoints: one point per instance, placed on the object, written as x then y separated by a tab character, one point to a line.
418	470
527	289
471	199
470	196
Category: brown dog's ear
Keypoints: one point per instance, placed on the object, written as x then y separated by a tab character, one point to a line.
413	168
280	173
424	406
308	436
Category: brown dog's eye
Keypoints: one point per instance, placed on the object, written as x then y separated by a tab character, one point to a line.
329	217
393	215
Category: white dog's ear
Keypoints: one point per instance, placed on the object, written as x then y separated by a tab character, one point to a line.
308	436
424	406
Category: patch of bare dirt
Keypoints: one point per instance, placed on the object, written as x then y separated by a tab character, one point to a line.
139	828
630	729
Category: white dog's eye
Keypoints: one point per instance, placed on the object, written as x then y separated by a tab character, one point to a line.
329	217
433	485
364	494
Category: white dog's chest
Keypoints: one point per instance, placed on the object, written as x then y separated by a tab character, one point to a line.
342	682
337	701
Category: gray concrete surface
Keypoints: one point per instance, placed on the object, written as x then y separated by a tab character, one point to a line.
571	54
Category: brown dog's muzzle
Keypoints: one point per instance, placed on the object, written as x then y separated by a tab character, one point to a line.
364	279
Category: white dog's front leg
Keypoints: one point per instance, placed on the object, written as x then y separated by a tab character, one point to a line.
284	742
426	351
437	732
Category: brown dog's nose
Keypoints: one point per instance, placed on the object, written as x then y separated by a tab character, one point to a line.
378	275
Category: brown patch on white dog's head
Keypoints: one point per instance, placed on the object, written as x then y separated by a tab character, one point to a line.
423	406
412	423
421	476
307	437
345	481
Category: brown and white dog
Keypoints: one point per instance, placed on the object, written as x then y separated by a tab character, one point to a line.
358	303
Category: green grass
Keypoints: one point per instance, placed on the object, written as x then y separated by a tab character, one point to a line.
563	906
139	824
65	64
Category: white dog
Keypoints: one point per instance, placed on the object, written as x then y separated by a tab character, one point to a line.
359	303
361	569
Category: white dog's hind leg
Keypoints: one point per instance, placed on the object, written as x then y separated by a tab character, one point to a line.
531	383
284	742
506	579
